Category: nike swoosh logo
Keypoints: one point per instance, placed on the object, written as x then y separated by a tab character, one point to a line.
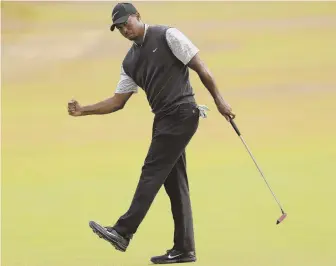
111	234
154	50
115	14
172	257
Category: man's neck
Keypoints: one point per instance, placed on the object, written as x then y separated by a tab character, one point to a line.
141	38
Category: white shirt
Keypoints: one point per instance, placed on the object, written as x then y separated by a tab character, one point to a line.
181	47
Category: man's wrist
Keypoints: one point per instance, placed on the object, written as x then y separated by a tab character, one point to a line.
85	110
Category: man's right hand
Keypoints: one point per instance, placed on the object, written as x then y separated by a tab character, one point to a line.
74	109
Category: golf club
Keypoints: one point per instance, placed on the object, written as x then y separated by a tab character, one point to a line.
283	216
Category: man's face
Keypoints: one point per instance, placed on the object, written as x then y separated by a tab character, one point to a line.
130	29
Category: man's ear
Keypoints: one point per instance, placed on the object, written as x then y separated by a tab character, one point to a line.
138	16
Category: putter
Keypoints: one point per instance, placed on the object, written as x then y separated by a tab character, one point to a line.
284	215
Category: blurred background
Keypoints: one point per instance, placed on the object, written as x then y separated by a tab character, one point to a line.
274	62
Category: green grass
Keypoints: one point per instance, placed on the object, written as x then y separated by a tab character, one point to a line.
274	62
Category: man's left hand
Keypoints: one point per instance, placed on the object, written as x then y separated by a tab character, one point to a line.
225	109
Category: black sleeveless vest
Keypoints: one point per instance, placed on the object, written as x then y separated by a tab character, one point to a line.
155	69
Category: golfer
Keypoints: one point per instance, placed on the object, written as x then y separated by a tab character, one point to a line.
158	62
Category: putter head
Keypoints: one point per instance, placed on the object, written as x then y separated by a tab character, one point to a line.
283	216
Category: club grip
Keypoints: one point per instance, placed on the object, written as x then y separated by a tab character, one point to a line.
233	124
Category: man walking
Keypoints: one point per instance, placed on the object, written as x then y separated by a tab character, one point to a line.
158	62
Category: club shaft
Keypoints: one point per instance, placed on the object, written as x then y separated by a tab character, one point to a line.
260	172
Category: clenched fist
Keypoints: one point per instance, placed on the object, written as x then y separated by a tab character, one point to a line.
74	109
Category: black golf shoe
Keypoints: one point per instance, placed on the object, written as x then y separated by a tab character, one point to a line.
174	256
112	236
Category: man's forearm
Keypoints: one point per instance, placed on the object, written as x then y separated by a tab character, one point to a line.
107	106
209	82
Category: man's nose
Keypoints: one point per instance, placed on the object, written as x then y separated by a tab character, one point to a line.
123	30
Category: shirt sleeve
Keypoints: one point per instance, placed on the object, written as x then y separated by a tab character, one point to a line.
180	45
126	84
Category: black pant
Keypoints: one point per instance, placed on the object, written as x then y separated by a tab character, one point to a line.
166	164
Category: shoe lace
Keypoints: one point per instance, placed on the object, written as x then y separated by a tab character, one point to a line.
171	250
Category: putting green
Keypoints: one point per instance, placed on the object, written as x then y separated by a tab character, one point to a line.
275	63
